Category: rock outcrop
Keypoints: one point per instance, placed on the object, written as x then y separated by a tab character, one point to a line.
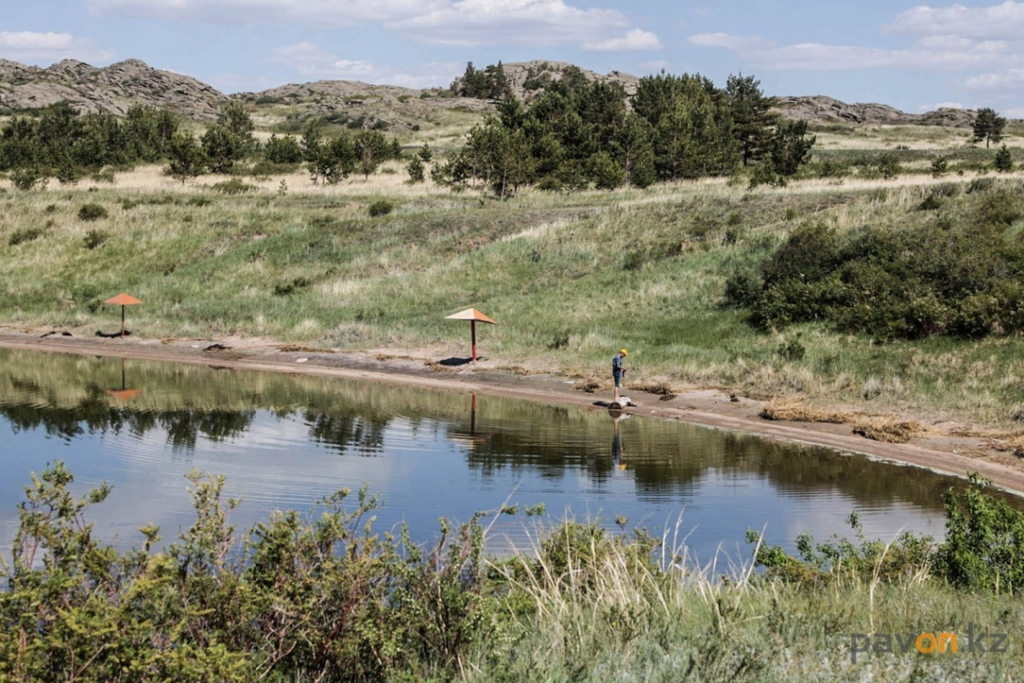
821	108
119	86
114	88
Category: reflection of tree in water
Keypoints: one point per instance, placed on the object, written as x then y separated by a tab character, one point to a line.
363	434
183	427
670	457
66	397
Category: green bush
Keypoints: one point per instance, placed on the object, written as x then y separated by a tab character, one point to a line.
94	238
897	283
381	207
233	186
91	212
292	600
23	235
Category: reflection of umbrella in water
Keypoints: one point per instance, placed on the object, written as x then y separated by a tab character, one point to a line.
472	439
472	315
123	300
124	393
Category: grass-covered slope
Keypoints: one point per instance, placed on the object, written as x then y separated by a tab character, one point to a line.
570	277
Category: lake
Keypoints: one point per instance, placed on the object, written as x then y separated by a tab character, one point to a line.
284	441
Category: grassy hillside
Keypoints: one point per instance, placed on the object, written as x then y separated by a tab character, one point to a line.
571	277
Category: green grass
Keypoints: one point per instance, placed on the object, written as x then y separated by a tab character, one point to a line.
570	278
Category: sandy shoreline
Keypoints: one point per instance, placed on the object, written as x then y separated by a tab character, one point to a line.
954	455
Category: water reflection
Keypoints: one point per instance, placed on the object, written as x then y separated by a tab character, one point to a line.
290	438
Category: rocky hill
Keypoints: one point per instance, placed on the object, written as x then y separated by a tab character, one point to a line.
823	109
519	75
117	87
114	88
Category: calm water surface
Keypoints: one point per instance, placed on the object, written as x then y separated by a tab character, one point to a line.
285	441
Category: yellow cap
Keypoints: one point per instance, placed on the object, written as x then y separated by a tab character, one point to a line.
624	352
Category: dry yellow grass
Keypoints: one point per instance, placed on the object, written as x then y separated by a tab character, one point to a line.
790	409
889	429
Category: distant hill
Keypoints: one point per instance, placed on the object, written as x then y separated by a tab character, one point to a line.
821	108
114	88
117	87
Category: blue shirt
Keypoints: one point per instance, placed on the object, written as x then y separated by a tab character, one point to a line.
617	363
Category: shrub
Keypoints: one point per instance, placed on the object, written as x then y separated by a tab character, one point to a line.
888	166
291	287
981	185
550	184
26	178
381	207
1004	160
94	238
233	186
896	284
930	203
105	175
92	212
415	169
24	235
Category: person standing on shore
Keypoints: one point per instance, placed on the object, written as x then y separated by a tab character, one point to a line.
617	370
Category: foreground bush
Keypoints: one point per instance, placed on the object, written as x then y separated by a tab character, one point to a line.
328	600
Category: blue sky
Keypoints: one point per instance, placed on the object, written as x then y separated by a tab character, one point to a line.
913	57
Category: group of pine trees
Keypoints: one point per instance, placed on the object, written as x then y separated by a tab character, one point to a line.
580	132
63	143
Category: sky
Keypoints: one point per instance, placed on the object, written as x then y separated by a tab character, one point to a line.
913	57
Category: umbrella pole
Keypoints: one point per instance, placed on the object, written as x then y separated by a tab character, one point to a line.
472	327
122	322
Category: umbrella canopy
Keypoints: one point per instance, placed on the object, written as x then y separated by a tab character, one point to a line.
123	299
470	314
124	394
473	316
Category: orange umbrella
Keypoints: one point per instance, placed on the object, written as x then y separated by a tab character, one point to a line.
473	316
123	300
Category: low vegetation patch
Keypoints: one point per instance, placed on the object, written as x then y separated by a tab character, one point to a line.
23	235
962	276
92	212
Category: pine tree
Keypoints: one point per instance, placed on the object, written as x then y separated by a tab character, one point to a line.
187	157
1004	160
415	169
752	122
988	126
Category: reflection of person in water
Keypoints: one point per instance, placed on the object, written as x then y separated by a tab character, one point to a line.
617	450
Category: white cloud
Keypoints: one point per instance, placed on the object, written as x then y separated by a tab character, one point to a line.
1009	79
38	48
940	105
637	39
931	53
462	23
312	61
727	41
472	23
997	21
314	12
